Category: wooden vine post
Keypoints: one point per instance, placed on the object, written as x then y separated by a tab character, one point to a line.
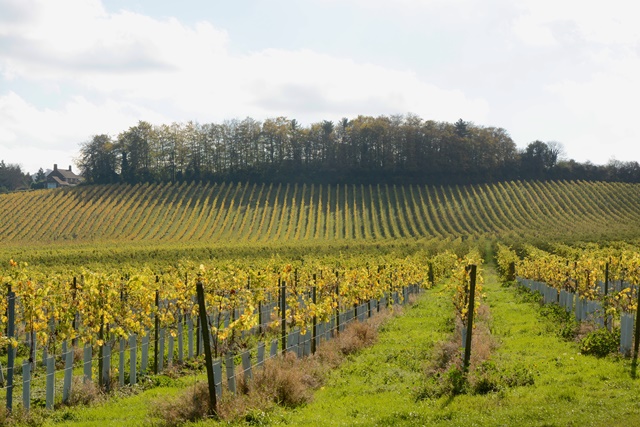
208	359
11	354
74	323
283	316
157	330
472	295
511	274
101	380
337	304
636	342
314	331
431	278
606	291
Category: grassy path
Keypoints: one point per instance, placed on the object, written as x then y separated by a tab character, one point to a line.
124	411
378	386
570	389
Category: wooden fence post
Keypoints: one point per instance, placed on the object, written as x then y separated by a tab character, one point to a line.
430	275
337	304
283	316
101	346
133	358
157	329
314	330
260	318
606	279
74	324
472	294
636	342
11	354
511	274
207	350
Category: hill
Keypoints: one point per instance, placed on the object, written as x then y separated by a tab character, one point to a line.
239	213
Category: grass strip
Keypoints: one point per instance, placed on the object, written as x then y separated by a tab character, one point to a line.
378	386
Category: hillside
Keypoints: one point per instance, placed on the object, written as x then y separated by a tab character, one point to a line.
262	213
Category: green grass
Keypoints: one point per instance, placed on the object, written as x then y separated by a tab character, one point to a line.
379	385
122	410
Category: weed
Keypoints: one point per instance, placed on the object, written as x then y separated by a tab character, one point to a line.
284	381
525	295
84	393
36	417
191	405
358	336
600	342
446	378
445	353
456	381
564	324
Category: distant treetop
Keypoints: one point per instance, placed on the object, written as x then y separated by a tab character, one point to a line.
391	149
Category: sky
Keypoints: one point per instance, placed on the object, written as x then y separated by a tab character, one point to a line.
566	71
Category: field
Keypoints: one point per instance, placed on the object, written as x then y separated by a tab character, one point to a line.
260	214
112	265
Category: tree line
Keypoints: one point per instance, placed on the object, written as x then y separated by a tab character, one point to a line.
403	149
12	178
394	149
365	149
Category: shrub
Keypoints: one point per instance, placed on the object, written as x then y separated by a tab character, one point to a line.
600	342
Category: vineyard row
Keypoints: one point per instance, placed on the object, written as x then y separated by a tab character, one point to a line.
259	213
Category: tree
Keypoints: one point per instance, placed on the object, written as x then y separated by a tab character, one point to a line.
12	178
98	160
367	149
138	147
461	128
39	181
538	158
40	176
557	150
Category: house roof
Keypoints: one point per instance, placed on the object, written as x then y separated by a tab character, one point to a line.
67	174
57	180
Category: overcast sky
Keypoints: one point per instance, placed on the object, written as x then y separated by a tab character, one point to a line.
565	71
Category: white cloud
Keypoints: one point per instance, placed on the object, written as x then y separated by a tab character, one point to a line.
533	32
613	22
605	103
74	39
319	86
164	71
36	137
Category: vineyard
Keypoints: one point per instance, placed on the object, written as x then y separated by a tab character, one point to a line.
595	283
104	313
261	214
99	282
